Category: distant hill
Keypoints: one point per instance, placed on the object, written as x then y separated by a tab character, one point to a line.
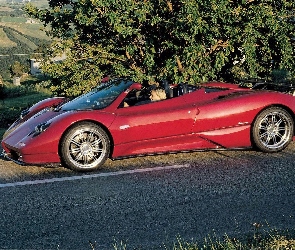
39	3
19	38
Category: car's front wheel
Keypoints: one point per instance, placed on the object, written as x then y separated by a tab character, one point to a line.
85	147
272	130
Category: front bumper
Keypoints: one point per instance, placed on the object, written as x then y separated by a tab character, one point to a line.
15	158
12	157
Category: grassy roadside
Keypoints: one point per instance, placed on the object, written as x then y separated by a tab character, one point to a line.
14	99
2	130
272	240
259	240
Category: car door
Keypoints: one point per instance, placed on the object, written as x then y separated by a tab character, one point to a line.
163	121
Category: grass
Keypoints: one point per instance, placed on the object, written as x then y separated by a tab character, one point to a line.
2	130
272	240
5	41
20	24
24	40
6	9
11	19
33	30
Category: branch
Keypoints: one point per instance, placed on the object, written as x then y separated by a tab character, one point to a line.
180	67
133	65
170	7
216	46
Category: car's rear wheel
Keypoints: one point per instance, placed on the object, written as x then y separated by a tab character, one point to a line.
272	130
85	147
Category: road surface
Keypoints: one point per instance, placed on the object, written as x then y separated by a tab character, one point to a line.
147	203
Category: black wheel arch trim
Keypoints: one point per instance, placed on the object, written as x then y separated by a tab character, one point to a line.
90	121
286	108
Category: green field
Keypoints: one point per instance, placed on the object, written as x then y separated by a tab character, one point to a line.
20	36
9	19
28	29
5	41
24	40
5	8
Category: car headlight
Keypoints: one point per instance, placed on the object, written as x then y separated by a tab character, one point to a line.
24	113
40	128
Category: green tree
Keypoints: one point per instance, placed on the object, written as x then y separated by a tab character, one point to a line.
17	69
41	50
2	89
179	40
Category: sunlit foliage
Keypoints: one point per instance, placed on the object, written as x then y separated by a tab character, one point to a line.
179	40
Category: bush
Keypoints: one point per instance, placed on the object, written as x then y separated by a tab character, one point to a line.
8	116
17	98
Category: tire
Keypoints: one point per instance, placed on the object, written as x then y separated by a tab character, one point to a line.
272	130
85	147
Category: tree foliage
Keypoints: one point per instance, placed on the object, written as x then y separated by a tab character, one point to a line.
178	40
17	69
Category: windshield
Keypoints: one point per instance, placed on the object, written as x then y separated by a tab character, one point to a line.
98	98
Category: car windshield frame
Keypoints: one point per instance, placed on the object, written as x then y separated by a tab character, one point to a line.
100	97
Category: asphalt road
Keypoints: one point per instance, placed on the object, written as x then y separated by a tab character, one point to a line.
202	194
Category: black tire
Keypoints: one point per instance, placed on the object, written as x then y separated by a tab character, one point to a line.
85	147
272	130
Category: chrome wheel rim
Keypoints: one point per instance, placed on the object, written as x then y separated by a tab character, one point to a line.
274	130
86	148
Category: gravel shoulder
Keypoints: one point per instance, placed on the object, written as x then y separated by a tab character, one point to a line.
10	171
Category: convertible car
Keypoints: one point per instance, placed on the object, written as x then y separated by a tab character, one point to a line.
115	120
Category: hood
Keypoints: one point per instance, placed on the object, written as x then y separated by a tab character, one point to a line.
42	106
23	127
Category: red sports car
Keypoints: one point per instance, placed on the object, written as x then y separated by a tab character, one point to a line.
118	120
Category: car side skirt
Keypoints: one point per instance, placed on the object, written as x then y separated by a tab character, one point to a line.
222	139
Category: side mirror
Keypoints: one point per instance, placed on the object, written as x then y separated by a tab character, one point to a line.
105	79
136	86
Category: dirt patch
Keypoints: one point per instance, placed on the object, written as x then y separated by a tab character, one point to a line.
4	8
